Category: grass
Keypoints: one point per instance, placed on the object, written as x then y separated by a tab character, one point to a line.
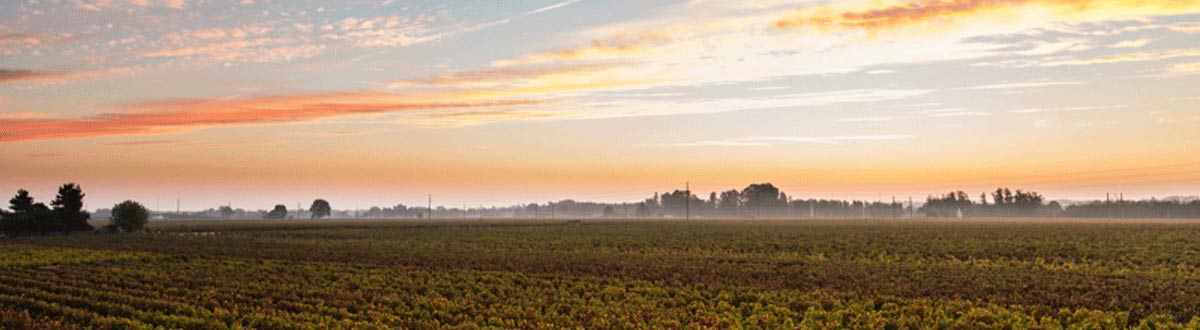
535	274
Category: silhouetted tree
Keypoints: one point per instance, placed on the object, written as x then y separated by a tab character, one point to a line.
28	216
280	212
642	211
760	198
68	207
22	202
226	211
609	212
728	204
129	216
320	209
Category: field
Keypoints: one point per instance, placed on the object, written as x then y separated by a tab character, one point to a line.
963	274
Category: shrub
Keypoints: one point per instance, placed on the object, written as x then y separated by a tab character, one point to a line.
129	216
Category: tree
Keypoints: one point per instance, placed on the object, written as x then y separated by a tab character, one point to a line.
22	202
226	211
129	216
28	216
609	212
320	209
675	203
729	200
642	210
280	212
68	208
761	197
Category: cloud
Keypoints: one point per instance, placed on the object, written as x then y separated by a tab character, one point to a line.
101	5
23	115
499	76
1071	109
1191	27
183	115
7	75
616	46
327	133
1184	69
287	40
192	144
56	77
876	119
765	141
1029	84
551	7
1130	57
1131	43
139	143
475	117
875	17
45	155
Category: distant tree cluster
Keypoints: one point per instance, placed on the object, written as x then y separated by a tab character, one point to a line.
761	200
1005	203
1153	208
279	212
65	213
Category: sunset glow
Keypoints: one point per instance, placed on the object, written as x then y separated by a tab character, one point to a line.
501	102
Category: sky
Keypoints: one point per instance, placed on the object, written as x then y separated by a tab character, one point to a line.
254	102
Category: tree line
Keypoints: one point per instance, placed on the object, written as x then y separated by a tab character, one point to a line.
65	214
761	200
1005	202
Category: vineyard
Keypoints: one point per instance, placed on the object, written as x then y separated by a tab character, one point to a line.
1005	274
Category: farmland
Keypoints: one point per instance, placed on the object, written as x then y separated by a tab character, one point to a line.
543	274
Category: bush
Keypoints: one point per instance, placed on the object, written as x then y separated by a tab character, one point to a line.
129	216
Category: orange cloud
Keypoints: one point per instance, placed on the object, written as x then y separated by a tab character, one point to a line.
19	75
138	143
929	12
45	155
501	76
176	116
613	47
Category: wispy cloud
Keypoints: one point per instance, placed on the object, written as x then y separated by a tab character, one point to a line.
176	116
139	143
500	76
552	7
614	47
876	17
952	112
1071	109
765	141
7	75
328	133
1130	57
1026	84
45	155
1139	43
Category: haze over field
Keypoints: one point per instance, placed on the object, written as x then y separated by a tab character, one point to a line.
482	102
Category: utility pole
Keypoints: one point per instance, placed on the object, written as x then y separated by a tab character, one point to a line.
430	206
176	206
688	197
893	207
464	211
812	213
